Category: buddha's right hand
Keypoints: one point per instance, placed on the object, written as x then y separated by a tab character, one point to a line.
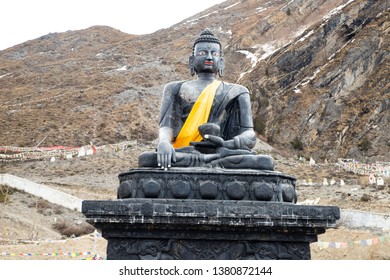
165	155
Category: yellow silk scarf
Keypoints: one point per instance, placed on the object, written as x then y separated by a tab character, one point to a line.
199	115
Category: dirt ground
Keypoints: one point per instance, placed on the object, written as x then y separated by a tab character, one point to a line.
27	223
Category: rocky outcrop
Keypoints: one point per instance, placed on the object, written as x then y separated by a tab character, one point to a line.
329	88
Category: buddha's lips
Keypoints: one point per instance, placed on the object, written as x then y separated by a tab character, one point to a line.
208	62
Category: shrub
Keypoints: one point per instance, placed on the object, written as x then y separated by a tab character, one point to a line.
259	125
5	192
297	144
365	144
40	204
70	228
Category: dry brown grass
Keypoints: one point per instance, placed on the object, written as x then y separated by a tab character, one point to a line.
71	229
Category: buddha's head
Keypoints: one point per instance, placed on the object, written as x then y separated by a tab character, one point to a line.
206	54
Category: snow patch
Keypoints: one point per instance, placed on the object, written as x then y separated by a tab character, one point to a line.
309	79
381	13
286	5
229	32
265	50
268	50
243	74
250	56
194	21
300	31
2	76
123	68
261	9
100	56
231	6
336	10
297	90
306	36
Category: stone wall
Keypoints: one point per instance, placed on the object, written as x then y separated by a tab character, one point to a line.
49	194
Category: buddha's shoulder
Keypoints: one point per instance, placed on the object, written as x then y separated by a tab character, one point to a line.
173	87
235	87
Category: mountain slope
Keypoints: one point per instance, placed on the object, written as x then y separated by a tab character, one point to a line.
320	81
329	89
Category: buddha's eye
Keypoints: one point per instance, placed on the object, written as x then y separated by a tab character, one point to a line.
201	53
215	53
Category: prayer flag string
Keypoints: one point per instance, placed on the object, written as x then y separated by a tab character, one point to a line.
360	243
377	168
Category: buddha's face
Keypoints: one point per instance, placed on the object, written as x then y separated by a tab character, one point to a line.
207	57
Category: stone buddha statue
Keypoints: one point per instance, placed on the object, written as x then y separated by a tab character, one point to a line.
206	122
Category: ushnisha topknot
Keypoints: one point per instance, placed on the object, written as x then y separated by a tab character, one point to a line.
206	36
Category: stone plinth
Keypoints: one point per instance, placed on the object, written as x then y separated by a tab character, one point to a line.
143	228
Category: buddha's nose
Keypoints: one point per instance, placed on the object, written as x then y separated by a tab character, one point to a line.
209	56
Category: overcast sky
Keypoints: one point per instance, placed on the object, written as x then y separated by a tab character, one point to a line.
23	20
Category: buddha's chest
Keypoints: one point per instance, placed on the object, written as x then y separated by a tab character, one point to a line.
187	99
189	94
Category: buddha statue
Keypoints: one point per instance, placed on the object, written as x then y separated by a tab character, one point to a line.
206	122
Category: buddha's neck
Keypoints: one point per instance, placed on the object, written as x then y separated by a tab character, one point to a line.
206	76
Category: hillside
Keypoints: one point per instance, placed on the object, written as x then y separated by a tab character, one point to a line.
318	71
319	75
329	89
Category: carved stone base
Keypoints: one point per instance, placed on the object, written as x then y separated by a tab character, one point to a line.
173	249
144	228
206	183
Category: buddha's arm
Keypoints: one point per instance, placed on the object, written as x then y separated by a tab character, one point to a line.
166	109
165	134
165	151
246	140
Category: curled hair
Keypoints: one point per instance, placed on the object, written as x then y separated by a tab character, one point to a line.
207	37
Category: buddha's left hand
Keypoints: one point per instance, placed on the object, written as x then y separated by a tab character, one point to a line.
219	142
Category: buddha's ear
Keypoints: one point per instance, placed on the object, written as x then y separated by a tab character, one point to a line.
191	64
221	66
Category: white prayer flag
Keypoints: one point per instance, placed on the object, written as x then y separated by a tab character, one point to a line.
82	152
325	183
380	181
372	179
